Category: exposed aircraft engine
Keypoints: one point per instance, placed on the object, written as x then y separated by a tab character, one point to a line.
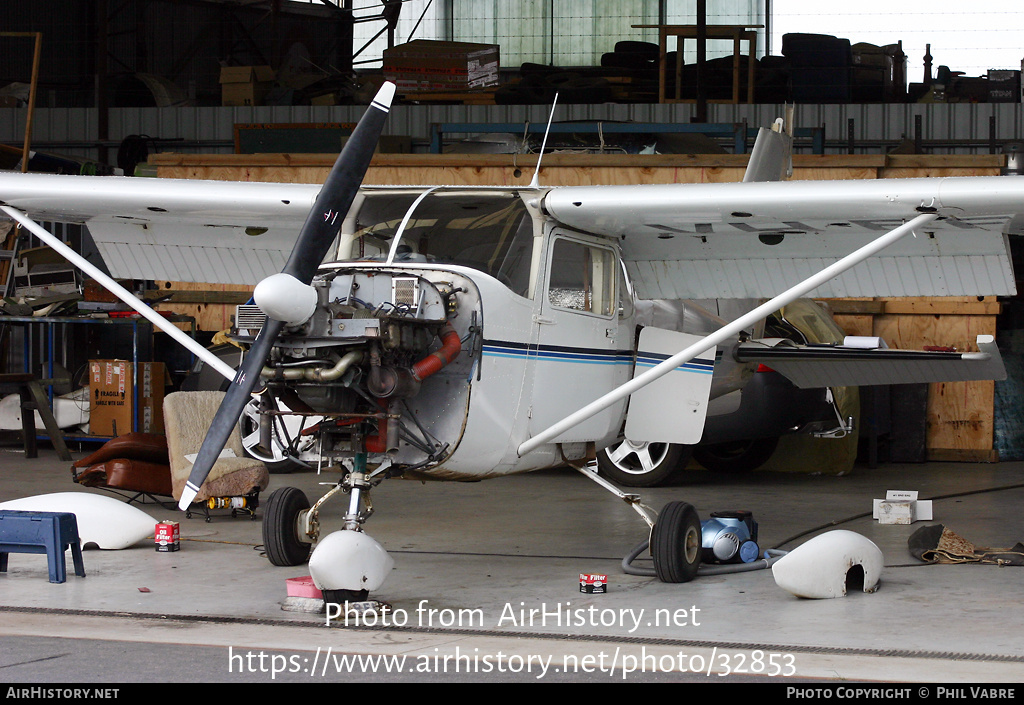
350	367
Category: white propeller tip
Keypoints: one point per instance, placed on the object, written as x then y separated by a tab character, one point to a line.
385	96
187	496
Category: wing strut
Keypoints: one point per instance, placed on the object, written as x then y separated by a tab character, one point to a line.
724	333
120	292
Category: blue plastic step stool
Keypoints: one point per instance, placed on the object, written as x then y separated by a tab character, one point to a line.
42	532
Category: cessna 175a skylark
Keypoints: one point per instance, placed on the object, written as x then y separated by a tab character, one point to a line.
468	333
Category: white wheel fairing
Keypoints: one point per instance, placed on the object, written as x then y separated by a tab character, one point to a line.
104	521
349	560
818	569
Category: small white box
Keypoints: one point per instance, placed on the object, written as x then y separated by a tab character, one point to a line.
901	507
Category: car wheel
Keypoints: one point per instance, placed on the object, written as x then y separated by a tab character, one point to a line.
277	461
281	527
676	543
736	456
642	464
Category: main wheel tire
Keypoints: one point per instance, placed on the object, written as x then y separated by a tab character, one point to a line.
281	527
676	543
642	464
736	456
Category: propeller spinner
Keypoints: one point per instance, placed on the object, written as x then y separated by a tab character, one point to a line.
315	238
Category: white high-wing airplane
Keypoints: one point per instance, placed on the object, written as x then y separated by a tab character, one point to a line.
467	333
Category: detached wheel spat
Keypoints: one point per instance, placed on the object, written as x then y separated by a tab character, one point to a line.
676	543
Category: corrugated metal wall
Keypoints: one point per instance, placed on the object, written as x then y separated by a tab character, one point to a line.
211	129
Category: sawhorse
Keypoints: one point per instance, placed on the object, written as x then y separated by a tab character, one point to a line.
33	399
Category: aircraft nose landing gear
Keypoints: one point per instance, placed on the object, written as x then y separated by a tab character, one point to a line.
348	564
345	565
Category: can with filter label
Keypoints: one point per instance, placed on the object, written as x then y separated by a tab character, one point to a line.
167	536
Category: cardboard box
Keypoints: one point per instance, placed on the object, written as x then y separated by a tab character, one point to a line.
1004	86
901	507
245	85
113	400
428	65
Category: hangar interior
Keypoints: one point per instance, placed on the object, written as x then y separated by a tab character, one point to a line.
665	92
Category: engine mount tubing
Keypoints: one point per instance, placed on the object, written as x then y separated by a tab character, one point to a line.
451	346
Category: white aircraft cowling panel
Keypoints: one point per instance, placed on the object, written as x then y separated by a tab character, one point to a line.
672	409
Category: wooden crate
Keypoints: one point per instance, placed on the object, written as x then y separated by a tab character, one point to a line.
960	419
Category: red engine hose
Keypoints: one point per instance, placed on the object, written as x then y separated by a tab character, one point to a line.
451	346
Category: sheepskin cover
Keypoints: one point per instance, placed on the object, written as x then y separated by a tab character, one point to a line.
187	417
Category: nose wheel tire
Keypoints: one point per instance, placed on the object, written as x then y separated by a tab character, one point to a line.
281	537
676	543
637	464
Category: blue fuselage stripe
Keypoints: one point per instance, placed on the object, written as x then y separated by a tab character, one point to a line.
589	356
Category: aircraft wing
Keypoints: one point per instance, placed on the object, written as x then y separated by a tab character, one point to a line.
175	229
744	240
680	241
841	366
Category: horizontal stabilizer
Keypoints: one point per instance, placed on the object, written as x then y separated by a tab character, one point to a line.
841	366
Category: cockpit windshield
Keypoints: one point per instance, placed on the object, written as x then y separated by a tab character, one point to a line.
490	232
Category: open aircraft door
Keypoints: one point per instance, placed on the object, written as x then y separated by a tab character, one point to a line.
672	409
583	347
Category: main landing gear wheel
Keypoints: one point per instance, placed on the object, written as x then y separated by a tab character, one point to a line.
641	464
281	527
676	543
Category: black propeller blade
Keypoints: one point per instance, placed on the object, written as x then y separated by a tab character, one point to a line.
315	238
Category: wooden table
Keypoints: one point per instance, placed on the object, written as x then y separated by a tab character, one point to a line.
682	32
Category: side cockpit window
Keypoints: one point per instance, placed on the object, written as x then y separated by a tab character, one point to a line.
582	278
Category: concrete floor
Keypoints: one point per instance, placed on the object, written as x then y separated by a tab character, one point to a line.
470	558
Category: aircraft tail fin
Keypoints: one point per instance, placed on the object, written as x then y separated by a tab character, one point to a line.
772	156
